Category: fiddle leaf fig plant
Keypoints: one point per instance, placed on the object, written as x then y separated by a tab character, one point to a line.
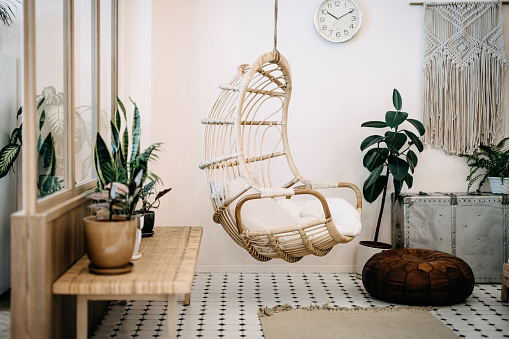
390	154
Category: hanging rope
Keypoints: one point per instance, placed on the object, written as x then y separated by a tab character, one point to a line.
275	25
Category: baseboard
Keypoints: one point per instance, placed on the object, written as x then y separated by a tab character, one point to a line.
288	268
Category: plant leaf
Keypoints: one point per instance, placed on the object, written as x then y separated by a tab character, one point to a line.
396	100
397	186
398	167
42	119
371	140
8	155
115	140
15	135
397	139
415	140
45	151
162	193
125	144
20	111
118	122
39	142
409	180
411	158
418	125
394	119
104	162
373	177
374	124
122	107
136	132
375	157
39	104
372	192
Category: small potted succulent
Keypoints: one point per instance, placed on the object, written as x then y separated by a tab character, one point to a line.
390	154
146	212
494	161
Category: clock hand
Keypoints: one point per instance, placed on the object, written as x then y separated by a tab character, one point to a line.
333	15
350	11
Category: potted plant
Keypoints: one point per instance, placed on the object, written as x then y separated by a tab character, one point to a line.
494	160
147	215
390	154
48	183
110	235
120	176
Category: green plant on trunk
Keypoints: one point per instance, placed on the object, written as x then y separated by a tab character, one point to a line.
391	154
121	165
493	159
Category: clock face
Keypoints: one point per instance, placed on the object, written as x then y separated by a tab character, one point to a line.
338	20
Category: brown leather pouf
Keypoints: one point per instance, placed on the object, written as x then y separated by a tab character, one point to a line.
418	277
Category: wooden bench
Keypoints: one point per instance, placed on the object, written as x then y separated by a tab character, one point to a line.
166	268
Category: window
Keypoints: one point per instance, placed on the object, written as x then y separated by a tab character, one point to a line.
70	83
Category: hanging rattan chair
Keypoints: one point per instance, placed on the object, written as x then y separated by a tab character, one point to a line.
245	141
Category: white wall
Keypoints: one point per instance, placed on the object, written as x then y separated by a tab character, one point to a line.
198	44
135	68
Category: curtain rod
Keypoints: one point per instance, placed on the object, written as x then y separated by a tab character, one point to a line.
422	3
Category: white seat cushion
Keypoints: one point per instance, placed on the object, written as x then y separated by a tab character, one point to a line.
264	214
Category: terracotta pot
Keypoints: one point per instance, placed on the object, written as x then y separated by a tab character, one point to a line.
110	244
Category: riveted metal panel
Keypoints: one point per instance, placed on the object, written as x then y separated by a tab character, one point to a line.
424	222
480	236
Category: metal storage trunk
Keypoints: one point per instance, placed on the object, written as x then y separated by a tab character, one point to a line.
472	227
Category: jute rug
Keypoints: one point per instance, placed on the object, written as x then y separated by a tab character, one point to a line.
325	322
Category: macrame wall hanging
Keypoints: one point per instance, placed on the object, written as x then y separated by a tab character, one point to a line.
464	64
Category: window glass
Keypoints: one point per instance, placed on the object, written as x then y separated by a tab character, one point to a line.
85	118
51	115
105	65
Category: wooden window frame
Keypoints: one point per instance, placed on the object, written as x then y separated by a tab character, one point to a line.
31	202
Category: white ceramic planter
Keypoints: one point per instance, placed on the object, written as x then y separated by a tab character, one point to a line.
364	253
497	187
139	226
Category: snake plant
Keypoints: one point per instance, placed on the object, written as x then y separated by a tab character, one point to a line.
121	165
392	154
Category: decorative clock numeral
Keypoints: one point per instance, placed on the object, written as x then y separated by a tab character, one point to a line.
338	21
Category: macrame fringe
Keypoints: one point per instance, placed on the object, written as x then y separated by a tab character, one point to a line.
464	67
267	311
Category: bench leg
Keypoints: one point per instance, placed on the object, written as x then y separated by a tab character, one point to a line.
187	299
505	284
172	316
81	317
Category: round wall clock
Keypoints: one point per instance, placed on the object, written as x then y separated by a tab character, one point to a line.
338	20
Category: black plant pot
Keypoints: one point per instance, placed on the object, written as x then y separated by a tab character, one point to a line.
148	224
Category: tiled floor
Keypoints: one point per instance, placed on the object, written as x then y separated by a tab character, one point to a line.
5	315
226	305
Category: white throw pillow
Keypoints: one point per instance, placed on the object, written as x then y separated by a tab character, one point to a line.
259	214
345	216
